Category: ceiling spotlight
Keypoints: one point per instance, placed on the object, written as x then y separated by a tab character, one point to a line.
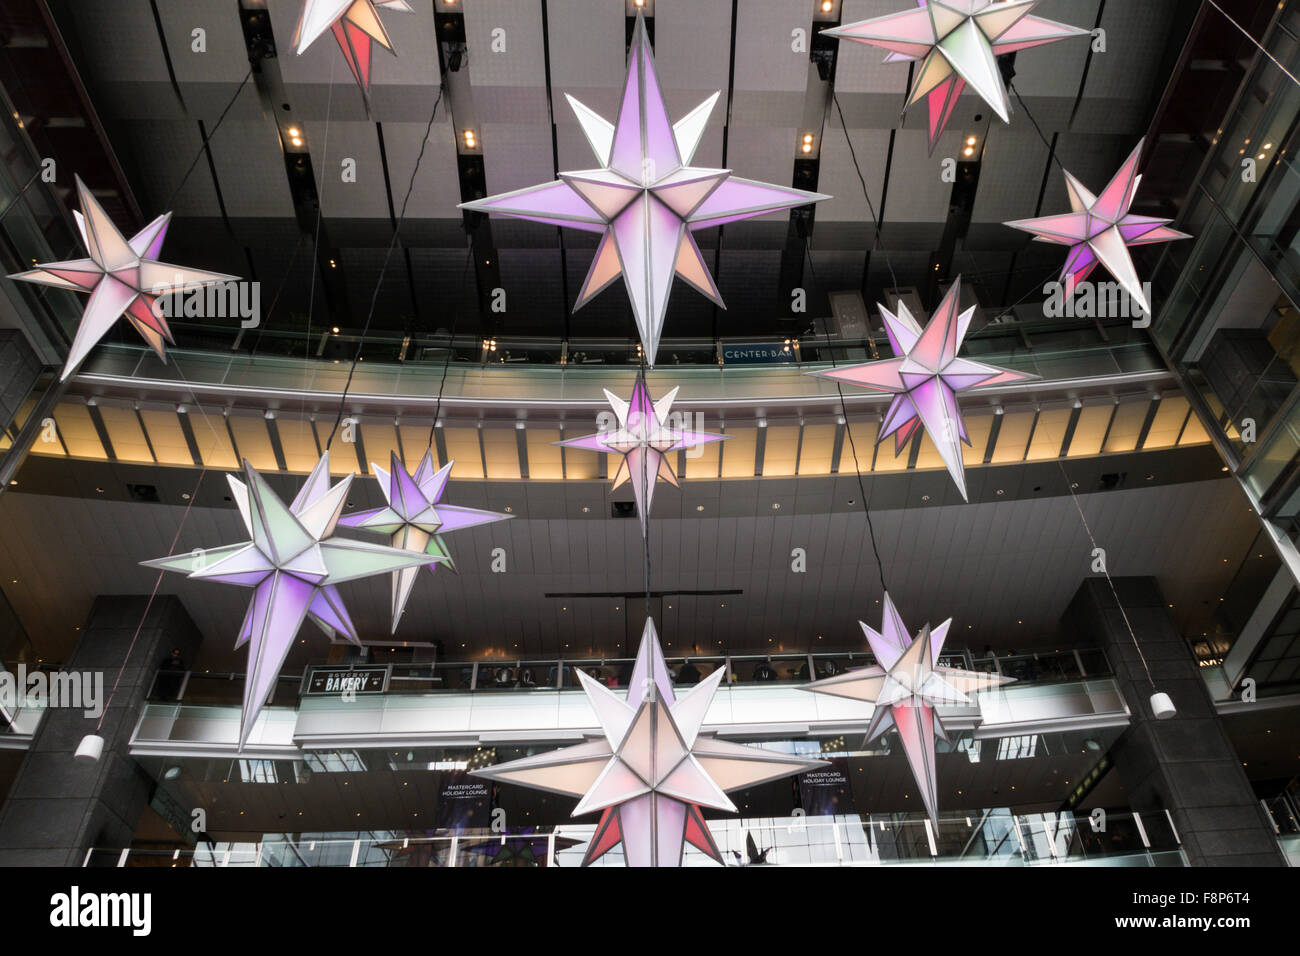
970	140
968	151
471	141
334	329
295	131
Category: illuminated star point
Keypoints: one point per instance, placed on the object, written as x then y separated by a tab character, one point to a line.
356	27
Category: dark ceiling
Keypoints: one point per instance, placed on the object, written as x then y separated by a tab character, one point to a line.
240	211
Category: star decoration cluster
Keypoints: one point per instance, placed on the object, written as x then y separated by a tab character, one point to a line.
645	439
646	200
294	565
124	278
956	43
653	768
925	377
1099	230
906	685
416	519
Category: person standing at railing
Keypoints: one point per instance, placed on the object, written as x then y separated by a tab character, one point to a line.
168	683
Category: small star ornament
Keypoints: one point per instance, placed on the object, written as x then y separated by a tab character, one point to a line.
645	438
652	768
417	519
925	377
956	43
356	27
294	564
646	200
1099	230
906	685
123	277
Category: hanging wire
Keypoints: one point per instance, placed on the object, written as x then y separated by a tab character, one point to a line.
1244	33
848	430
866	194
645	484
207	139
451	338
374	298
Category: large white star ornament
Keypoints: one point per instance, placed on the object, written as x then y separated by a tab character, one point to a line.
646	200
653	768
905	686
957	42
295	564
925	377
1099	230
356	27
645	439
416	519
123	277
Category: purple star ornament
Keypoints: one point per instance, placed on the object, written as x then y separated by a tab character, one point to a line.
905	685
645	439
416	519
646	199
294	565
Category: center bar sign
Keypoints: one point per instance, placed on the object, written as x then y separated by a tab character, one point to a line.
322	681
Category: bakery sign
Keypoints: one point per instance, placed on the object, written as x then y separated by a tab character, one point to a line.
328	681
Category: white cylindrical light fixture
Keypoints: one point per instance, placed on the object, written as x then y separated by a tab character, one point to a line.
90	748
1162	707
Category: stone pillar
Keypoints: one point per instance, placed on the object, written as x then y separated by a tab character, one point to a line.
60	806
1185	764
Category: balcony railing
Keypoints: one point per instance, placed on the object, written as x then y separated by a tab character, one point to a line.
997	837
493	675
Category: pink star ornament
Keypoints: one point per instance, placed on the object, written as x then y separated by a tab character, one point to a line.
356	27
925	377
1099	230
956	43
905	685
646	200
123	277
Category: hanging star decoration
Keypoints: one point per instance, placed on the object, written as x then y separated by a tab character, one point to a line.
957	42
1099	230
652	769
416	519
925	377
294	563
646	200
906	685
124	278
645	440
356	27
